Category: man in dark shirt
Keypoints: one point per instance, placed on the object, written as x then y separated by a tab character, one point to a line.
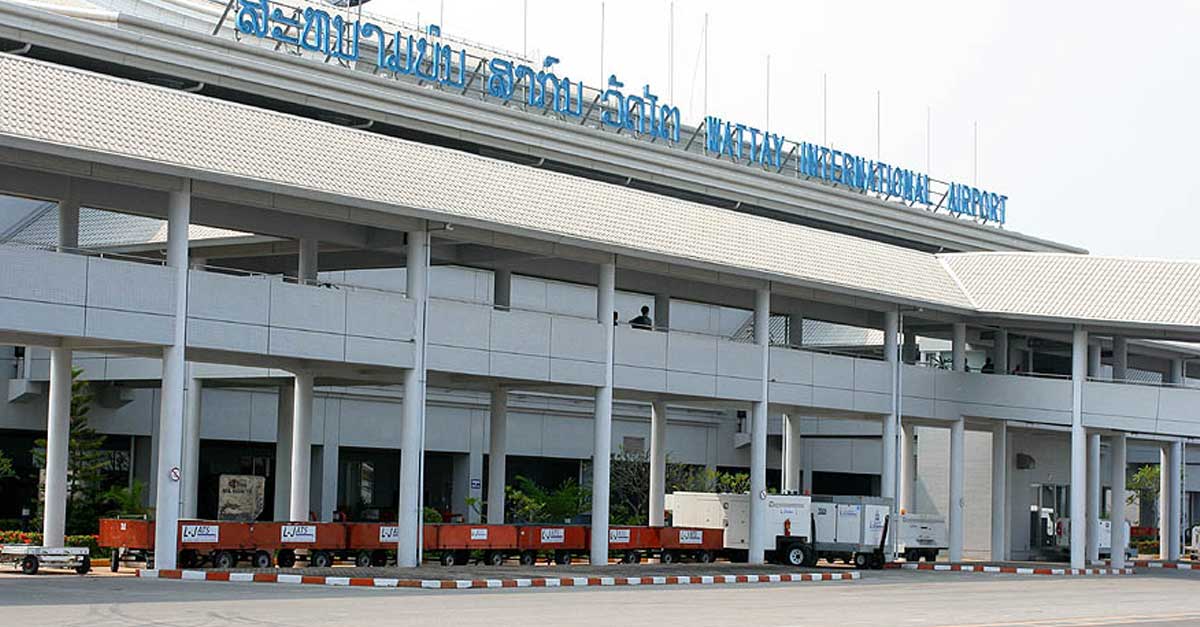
643	321
988	367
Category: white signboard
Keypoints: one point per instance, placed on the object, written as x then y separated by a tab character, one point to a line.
201	533
298	533
389	534
553	536
618	536
691	536
479	534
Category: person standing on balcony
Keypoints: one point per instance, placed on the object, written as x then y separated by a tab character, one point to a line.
643	321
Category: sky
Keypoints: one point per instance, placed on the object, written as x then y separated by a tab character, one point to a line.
1085	114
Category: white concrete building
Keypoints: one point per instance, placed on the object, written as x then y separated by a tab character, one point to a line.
249	244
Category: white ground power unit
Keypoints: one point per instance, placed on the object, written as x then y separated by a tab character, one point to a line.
799	529
921	536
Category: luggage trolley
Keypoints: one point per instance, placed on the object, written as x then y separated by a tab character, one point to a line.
30	558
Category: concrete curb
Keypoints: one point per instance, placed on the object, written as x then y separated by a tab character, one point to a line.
463	584
1169	565
1010	570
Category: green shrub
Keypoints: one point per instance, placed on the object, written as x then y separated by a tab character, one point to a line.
92	542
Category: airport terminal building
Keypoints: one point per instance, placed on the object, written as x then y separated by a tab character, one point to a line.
301	242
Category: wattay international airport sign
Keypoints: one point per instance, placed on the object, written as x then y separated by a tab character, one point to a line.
426	57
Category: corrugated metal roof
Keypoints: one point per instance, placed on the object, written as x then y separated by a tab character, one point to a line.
1081	287
69	107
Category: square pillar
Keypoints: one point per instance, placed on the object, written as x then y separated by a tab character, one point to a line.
1093	494
793	452
957	497
662	311
658	463
191	444
502	288
284	412
1000	491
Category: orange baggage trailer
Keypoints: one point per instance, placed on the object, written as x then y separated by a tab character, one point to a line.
631	542
690	542
126	537
323	541
562	541
371	543
455	542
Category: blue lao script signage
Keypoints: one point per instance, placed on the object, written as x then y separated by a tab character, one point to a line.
427	58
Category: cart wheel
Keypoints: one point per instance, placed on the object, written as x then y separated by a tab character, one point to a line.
862	560
379	558
668	557
631	557
362	559
84	566
224	559
705	557
262	559
493	558
562	558
287	558
448	559
29	565
320	559
114	562
796	555
528	558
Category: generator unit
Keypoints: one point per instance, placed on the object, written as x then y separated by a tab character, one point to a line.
788	521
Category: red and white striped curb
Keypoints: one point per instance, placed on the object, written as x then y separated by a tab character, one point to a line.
1011	570
460	584
1171	565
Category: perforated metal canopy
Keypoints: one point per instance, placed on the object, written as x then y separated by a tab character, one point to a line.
51	105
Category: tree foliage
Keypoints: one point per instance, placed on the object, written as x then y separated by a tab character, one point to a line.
6	467
630	484
1144	484
528	502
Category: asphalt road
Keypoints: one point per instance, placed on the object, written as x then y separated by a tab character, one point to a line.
881	598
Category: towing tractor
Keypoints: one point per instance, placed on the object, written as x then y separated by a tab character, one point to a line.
800	529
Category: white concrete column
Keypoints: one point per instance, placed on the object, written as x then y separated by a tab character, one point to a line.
307	271
1078	478
1176	372
502	288
330	459
497	452
301	447
1000	491
602	421
284	421
891	422
170	424
658	462
475	470
957	498
1116	514
1093	367
1093	496
1175	500
412	425
1000	352
58	421
908	466
662	311
958	347
1164	501
58	434
191	444
758	432
1120	358
793	454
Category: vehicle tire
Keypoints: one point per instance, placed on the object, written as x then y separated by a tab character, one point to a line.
704	557
528	558
448	559
262	559
362	559
668	557
493	558
114	562
85	566
287	558
379	557
224	560
29	565
562	558
862	560
795	555
631	557
320	559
